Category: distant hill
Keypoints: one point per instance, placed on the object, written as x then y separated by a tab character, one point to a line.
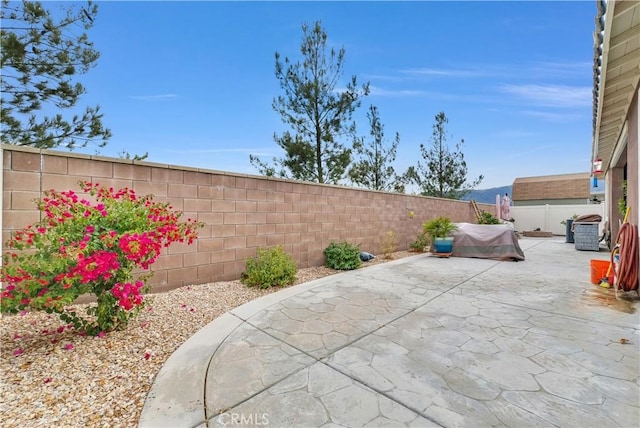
487	196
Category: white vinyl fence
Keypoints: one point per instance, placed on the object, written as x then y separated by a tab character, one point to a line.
548	218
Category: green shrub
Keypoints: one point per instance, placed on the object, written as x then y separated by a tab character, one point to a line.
342	256
488	218
421	242
272	267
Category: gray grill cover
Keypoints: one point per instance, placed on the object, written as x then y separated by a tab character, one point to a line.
486	241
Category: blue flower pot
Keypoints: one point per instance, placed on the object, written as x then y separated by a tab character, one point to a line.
443	245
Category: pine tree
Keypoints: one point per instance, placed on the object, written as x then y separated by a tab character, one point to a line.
39	58
445	173
319	115
374	169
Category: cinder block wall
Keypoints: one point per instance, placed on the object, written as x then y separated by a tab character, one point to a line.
242	213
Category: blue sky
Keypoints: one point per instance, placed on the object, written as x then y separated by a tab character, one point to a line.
192	82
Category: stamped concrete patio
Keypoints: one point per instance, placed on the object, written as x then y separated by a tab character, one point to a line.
418	342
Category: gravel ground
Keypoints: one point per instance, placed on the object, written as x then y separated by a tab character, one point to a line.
52	376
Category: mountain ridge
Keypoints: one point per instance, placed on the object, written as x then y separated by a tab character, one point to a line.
487	196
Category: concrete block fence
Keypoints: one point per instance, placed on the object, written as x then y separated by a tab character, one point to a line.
242	212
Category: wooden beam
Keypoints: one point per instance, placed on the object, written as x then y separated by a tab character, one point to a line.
623	6
622	78
634	55
625	36
618	93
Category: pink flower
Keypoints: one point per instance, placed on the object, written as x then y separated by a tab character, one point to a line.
101	334
91	253
47	380
147	355
128	295
68	346
18	351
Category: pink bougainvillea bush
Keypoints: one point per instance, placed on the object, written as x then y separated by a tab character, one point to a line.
81	247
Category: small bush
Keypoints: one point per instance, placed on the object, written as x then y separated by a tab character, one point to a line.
272	267
342	256
421	242
389	242
487	218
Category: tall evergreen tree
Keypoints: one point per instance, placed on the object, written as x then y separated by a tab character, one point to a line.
316	110
40	56
445	173
374	169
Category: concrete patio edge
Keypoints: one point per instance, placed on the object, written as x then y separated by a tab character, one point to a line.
176	397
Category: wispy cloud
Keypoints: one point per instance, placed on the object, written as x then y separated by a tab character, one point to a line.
562	69
513	134
551	95
152	97
539	69
385	77
433	95
381	92
551	116
444	72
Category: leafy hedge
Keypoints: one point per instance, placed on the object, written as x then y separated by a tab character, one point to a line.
342	256
272	267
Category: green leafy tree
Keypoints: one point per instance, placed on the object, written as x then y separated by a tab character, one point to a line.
444	173
41	54
374	170
318	112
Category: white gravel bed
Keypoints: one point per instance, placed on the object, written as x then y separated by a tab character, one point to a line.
52	376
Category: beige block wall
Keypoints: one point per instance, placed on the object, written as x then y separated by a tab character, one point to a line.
242	213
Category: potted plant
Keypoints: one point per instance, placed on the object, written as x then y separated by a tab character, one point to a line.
439	230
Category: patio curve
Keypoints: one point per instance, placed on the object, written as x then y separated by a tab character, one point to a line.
420	341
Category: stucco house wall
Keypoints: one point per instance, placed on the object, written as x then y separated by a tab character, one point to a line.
562	189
